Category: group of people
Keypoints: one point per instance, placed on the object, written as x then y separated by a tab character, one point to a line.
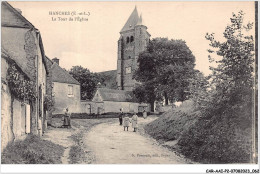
125	121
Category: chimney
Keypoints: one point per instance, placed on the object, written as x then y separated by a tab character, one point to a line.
56	60
19	10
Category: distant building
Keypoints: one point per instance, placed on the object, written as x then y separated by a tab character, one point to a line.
49	111
88	107
111	100
66	90
133	40
22	55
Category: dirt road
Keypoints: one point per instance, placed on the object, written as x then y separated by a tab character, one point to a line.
112	145
76	152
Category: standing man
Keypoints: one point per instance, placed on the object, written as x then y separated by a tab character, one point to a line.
144	114
121	116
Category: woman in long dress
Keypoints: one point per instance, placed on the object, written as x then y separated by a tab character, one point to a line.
134	122
66	122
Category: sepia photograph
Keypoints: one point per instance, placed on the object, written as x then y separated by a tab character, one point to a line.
139	82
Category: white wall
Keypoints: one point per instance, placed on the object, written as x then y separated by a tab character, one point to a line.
63	100
88	107
110	106
6	119
13	127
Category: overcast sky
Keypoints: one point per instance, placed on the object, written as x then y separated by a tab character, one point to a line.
93	44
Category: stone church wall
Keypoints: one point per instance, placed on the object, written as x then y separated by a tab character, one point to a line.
130	45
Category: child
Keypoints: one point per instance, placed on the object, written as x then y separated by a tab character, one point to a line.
134	122
126	122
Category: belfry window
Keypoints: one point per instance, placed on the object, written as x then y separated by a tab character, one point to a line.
127	40
132	39
128	70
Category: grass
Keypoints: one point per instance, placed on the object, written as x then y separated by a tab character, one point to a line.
172	124
32	150
220	139
76	153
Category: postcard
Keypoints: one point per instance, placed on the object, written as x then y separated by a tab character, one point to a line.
130	83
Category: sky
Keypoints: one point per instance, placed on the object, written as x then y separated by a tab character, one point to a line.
93	43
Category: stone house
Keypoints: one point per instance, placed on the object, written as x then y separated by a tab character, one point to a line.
23	77
66	90
111	100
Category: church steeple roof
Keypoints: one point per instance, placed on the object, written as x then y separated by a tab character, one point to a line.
132	21
140	21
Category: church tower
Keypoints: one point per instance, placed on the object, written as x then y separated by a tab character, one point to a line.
133	40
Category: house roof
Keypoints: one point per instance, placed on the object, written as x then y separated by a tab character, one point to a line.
49	64
43	52
61	75
116	95
132	21
48	60
17	31
13	44
5	55
5	18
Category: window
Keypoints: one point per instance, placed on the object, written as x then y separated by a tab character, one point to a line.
70	90
132	39
127	40
128	70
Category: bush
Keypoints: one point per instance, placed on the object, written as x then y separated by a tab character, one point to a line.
32	150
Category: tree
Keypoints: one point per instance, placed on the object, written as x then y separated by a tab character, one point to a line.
223	133
145	93
88	81
233	78
164	70
199	86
